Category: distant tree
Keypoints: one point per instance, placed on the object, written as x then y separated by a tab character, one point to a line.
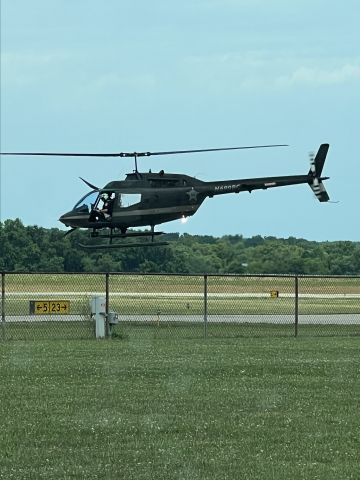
33	248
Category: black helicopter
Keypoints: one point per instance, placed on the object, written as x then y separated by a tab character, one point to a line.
149	199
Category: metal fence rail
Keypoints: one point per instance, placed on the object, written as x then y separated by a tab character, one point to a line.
57	305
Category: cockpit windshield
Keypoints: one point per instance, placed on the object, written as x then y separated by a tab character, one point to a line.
87	202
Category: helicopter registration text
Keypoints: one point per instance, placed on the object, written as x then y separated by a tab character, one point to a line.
229	187
236	187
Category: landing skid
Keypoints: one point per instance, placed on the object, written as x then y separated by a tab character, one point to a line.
124	235
123	245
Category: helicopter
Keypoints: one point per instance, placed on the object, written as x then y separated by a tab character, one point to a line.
149	199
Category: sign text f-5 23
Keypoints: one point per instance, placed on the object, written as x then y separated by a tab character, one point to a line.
49	307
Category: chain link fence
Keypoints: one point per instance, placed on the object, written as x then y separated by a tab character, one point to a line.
44	305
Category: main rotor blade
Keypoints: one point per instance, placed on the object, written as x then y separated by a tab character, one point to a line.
214	149
53	154
90	184
137	154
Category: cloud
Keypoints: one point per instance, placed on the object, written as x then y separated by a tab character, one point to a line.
264	70
116	80
30	59
315	76
22	68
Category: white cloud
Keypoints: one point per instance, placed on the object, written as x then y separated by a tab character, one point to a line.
114	80
315	76
31	59
27	67
262	69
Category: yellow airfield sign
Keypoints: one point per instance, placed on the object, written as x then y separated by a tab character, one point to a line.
49	307
274	293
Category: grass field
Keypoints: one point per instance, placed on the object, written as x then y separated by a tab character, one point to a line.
246	408
187	305
155	329
45	282
183	295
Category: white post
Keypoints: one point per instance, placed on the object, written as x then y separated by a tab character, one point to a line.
98	311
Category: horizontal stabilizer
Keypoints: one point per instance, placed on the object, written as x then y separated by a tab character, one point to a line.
318	188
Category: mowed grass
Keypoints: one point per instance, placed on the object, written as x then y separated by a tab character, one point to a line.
245	408
183	295
95	282
155	329
187	305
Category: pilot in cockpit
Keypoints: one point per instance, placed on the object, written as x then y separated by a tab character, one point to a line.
107	206
105	211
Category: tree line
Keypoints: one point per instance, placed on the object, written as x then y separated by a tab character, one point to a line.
37	249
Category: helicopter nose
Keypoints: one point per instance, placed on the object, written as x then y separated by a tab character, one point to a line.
62	219
65	219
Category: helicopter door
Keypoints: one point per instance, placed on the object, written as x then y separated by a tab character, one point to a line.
102	208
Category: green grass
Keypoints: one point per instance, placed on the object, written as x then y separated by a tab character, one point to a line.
47	330
45	282
155	328
183	305
149	293
269	408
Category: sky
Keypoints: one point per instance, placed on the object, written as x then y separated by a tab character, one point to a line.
133	75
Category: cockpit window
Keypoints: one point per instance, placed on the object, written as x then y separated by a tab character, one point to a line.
87	202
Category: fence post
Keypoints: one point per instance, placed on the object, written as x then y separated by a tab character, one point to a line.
3	304
107	326
205	305
296	304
